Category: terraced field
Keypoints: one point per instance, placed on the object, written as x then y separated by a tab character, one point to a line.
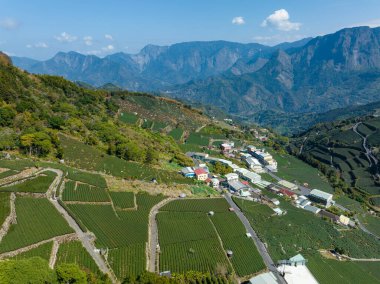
127	260
196	234
86	157
4	206
246	259
124	233
176	133
37	220
300	231
74	252
16	165
39	184
328	271
42	251
84	192
128	118
123	200
7	173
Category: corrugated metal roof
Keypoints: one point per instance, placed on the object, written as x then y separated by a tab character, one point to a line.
321	194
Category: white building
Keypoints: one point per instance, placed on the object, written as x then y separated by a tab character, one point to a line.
322	197
232	176
288	185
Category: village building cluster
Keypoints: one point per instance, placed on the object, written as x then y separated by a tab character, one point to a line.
246	182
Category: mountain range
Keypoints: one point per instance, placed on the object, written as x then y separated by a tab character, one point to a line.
251	81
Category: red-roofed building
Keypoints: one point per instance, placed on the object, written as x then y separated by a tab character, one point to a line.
201	174
288	193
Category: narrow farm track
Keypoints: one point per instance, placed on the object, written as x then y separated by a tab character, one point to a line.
53	254
152	261
259	244
86	239
11	219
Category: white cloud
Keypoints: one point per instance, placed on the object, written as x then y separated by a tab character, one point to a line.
238	21
88	40
280	20
66	37
41	45
109	47
38	45
9	24
108	36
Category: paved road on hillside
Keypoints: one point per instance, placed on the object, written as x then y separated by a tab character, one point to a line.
364	229
153	235
259	244
371	158
82	236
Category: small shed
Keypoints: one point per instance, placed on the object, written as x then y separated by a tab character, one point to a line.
230	253
211	213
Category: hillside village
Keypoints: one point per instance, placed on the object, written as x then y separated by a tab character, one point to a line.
246	182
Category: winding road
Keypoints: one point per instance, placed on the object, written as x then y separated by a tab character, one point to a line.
371	158
259	244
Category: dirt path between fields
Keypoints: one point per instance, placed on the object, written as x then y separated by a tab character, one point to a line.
11	219
53	254
152	253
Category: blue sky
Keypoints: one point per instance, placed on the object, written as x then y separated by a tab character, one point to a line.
41	28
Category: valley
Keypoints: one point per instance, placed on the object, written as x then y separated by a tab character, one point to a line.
195	162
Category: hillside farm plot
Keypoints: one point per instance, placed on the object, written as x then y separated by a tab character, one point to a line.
197	139
194	227
84	192
246	259
197	205
127	260
89	158
157	126
5	206
39	184
42	251
7	173
205	255
330	271
189	226
89	178
74	252
124	233
16	165
37	220
123	200
176	133
128	118
300	231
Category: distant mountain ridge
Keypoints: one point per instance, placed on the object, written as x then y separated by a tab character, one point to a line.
153	68
251	81
328	72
